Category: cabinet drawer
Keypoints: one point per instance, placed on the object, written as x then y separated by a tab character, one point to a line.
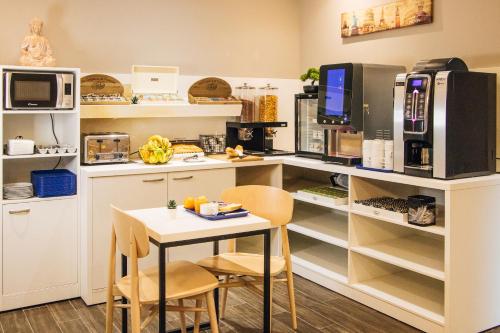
210	183
40	245
125	192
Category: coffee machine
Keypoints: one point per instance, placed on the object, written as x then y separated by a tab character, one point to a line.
444	121
354	102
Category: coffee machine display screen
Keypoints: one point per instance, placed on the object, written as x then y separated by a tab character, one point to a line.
416	83
334	104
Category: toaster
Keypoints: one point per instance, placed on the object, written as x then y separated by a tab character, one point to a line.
105	148
20	146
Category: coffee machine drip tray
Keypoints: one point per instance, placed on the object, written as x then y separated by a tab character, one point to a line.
269	152
343	159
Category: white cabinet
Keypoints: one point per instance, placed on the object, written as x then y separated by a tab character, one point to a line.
125	192
210	183
39	252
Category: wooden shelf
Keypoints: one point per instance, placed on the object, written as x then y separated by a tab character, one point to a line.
437	229
413	292
320	257
297	196
159	111
320	224
424	255
21	157
36	199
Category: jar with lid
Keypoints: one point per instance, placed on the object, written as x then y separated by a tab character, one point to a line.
246	94
267	104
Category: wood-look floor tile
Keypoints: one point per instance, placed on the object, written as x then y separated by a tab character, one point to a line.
15	322
63	311
369	316
93	318
41	320
73	326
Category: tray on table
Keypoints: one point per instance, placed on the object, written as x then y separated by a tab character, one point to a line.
221	216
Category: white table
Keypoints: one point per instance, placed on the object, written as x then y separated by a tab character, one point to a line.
185	229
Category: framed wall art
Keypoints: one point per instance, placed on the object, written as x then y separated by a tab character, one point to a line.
394	15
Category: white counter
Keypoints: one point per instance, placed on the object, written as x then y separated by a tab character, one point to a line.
173	166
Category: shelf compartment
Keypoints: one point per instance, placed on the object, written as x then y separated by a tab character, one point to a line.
403	247
411	291
21	112
159	111
320	257
37	199
437	229
21	157
364	188
320	223
299	197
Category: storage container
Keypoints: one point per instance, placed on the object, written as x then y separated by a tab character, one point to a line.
246	94
267	104
53	183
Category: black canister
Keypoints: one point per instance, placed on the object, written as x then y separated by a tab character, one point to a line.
421	210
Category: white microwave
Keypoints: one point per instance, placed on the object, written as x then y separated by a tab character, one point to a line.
45	90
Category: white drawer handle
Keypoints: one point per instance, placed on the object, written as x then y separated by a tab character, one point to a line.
184	178
21	211
153	180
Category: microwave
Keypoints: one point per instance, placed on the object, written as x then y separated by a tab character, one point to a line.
46	90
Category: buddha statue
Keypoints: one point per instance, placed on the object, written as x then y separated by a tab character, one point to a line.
35	49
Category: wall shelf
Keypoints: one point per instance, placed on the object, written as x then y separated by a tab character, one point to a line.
22	157
159	111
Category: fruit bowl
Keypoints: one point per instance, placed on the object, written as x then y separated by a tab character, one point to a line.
156	156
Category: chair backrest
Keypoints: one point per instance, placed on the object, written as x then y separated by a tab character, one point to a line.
268	202
128	229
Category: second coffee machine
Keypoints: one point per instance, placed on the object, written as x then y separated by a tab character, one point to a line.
444	121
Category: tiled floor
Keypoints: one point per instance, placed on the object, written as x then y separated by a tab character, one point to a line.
319	310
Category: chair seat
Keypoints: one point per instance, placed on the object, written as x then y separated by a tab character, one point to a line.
184	279
242	264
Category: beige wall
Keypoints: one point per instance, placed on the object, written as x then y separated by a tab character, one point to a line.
258	38
464	28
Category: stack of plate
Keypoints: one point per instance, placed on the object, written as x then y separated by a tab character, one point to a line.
17	191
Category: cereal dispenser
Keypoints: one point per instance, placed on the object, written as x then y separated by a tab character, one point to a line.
267	104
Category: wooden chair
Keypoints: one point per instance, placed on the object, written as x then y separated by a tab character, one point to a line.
185	280
245	269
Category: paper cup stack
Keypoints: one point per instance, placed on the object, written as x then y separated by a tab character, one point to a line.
378	154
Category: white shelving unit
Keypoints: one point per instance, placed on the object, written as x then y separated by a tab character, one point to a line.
39	235
159	110
320	257
415	293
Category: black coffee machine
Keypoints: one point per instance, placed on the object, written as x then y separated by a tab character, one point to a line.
444	120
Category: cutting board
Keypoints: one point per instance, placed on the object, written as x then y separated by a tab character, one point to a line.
248	158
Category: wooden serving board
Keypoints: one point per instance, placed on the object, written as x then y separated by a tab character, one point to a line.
100	84
248	158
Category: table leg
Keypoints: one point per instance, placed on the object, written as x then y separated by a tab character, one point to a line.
162	313
216	291
267	281
124	300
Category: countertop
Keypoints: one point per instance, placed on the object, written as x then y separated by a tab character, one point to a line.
139	167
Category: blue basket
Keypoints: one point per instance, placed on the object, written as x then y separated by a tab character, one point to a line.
53	183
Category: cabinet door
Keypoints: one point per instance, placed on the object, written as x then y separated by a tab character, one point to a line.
125	192
210	183
40	245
